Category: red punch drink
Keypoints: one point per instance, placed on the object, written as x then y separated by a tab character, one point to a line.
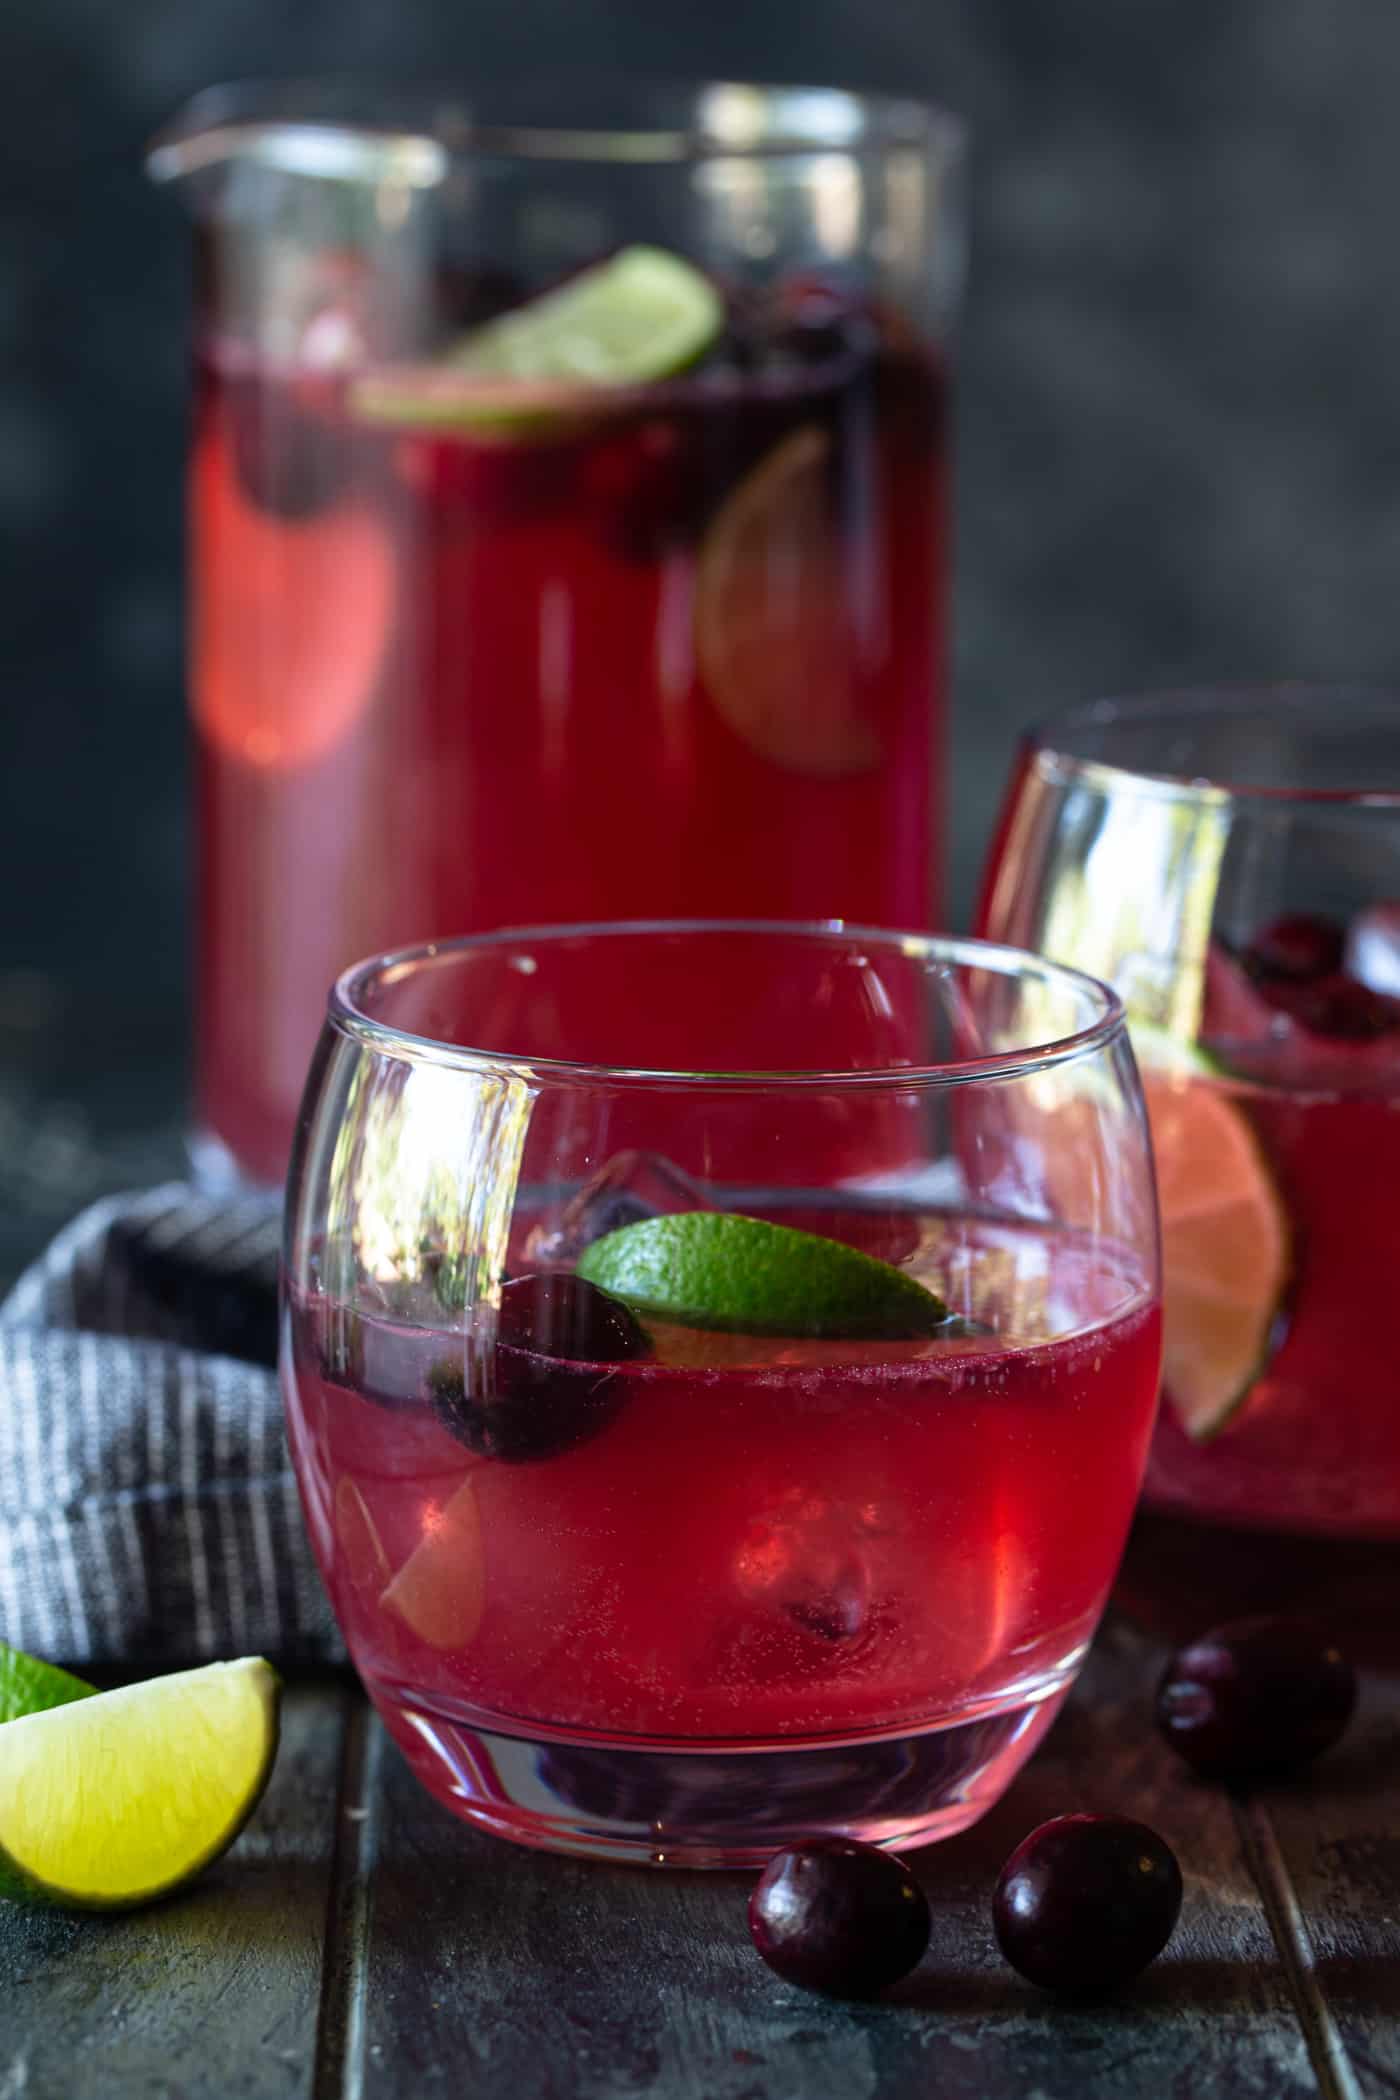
1297	1104
679	662
567	532
1230	860
819	1571
718	1419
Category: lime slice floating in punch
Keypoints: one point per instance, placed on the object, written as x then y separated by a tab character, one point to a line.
641	316
714	1269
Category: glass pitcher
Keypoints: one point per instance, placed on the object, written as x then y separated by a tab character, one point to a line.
567	489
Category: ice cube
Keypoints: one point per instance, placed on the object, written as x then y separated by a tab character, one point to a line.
632	1186
810	1556
1373	948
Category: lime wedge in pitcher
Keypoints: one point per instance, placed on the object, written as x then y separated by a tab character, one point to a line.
641	316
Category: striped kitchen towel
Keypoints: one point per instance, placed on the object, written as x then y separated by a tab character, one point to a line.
147	1506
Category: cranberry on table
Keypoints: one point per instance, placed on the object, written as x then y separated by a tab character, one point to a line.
1259	1696
544	1388
839	1916
1086	1902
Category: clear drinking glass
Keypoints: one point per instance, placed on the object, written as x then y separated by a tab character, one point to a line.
719	1420
1230	861
586	613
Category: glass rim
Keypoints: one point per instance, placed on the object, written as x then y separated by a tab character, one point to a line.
293	126
1048	741
345	1012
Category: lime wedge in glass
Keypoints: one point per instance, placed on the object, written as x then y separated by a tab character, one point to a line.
1226	1251
28	1686
714	1269
112	1799
641	316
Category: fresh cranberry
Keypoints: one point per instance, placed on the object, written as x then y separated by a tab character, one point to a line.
1340	1007
815	323
465	483
645	485
1259	1695
1296	947
836	1615
558	1315
1086	1902
544	1387
292	452
839	1916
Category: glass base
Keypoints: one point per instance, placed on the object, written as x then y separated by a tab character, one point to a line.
672	1805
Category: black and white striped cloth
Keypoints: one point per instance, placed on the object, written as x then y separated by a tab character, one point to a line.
147	1505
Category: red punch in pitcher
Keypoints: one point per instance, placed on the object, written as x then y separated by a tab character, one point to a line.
567	520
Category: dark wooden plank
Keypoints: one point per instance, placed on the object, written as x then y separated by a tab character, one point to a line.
211	1995
1334	1838
494	1972
1324	1848
344	1969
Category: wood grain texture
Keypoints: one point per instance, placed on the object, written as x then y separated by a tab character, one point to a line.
211	1995
1336	1837
495	1972
421	1958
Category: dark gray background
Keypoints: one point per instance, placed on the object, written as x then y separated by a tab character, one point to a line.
1179	417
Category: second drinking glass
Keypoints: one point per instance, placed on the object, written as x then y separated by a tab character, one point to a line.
1230	861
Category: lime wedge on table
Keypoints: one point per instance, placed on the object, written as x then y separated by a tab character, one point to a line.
1225	1238
641	316
718	1270
112	1799
28	1686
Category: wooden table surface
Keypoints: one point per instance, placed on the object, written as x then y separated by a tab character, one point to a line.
358	1943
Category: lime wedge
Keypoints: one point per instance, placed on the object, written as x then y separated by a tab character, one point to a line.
1225	1238
1225	1247
641	316
774	639
28	1686
440	1591
742	1275
113	1799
